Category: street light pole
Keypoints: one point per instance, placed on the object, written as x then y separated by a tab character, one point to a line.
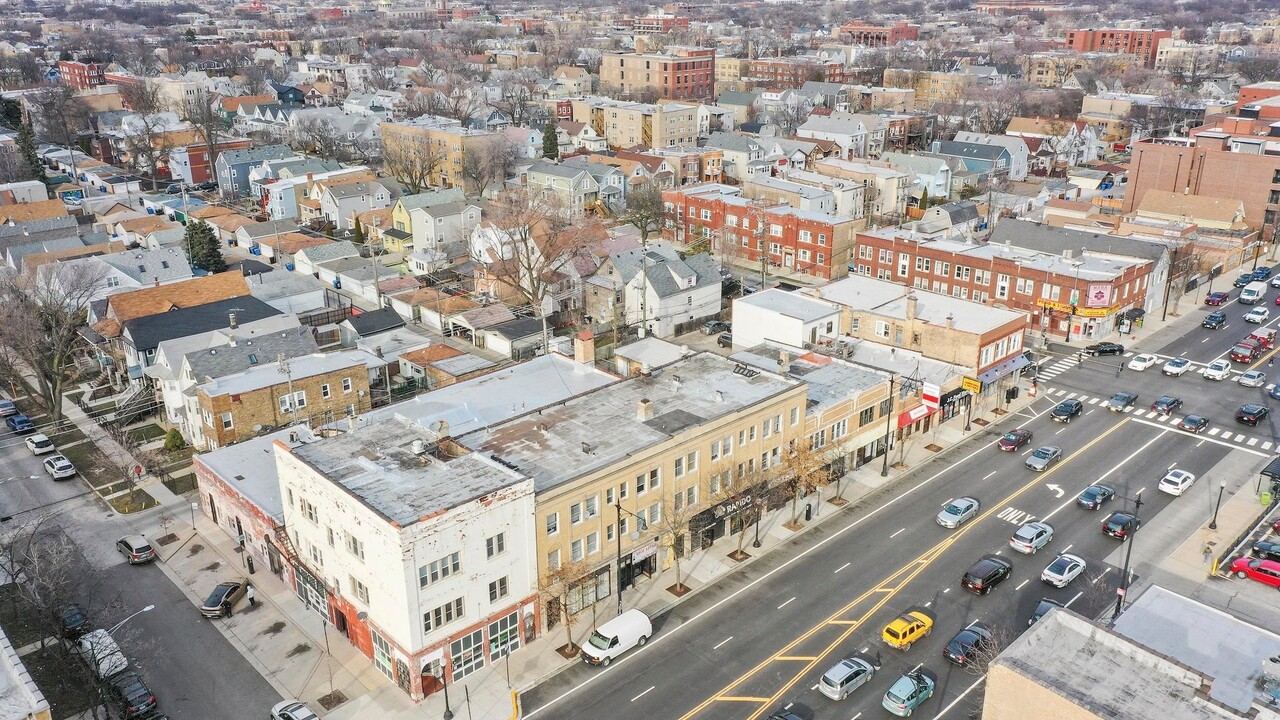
1222	486
888	429
617	505
115	627
448	712
1128	553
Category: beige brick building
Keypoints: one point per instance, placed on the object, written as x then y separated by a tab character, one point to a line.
626	124
450	139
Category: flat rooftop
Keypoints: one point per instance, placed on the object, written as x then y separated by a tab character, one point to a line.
790	304
601	428
859	292
250	467
830	380
269	375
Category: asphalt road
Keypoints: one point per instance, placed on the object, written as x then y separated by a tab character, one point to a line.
187	663
760	640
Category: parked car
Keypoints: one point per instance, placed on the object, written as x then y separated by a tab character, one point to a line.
967	643
1274	392
1262	272
1243	280
1214	320
1105	348
1266	572
1193	424
1042	609
1142	362
40	444
846	676
908	693
1121	525
20	424
1257	315
1176	367
1217	370
1265	550
59	467
1014	439
724	340
1252	414
1094	496
1253	379
906	629
983	576
1044	458
711	327
207	186
133	695
100	652
1166	404
1031	537
224	598
1122	401
1063	570
74	622
292	710
1275	281
7	408
1065	410
136	549
1216	298
957	512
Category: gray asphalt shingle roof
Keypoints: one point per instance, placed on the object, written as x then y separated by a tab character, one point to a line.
213	363
145	333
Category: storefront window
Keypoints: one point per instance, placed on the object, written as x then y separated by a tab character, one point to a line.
381	653
504	636
467	654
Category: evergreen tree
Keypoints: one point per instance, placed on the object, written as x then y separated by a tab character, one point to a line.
10	113
27	148
202	244
357	236
550	143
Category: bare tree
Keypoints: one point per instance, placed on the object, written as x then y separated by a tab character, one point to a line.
458	99
147	135
1259	68
42	320
320	136
489	161
556	586
413	159
517	101
59	117
673	532
202	112
645	210
804	469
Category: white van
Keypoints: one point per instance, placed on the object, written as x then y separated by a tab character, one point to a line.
1254	292
617	636
100	652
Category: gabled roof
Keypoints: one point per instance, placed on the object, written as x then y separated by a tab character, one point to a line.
973	151
432	198
329	252
255	155
543	167
26	212
147	332
250	349
148	266
733	142
144	302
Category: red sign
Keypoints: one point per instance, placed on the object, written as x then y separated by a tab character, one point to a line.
930	395
915	414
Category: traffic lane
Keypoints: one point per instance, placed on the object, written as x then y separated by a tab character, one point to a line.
24	485
191	668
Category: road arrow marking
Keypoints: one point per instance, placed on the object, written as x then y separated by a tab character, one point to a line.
1057	491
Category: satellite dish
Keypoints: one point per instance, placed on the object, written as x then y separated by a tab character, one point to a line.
257	428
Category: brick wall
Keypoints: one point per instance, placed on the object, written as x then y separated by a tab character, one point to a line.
262	407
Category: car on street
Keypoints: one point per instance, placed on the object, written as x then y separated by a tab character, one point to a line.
1104	348
1243	280
59	467
1253	379
1176	367
1217	370
1044	458
1122	401
20	424
1216	298
1245	350
1065	410
724	340
1274	392
224	597
1176	482
711	327
908	693
1265	550
40	444
1275	281
75	622
1120	525
1166	404
1266	572
292	710
132	694
7	408
845	676
1014	440
1257	315
1094	496
784	715
207	186
1262	273
1042	609
983	576
957	512
1142	362
906	629
1194	424
967	644
1064	568
136	549
1252	414
1214	320
1032	536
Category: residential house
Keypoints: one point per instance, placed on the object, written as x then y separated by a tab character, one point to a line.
1069	142
743	155
232	167
140	337
573	188
122	271
339	203
574	137
308	260
656	290
1019	153
572	81
887	189
985	160
932	173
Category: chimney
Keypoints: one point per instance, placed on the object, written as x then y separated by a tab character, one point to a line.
784	362
951	322
309	176
911	306
644	410
584	348
293	437
231	339
232	321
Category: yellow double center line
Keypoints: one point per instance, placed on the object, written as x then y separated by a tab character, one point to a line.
889	588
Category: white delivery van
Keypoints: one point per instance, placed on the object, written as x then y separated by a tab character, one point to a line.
1253	293
617	636
100	652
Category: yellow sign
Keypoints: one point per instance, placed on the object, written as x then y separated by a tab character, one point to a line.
973	385
1096	312
1060	307
1080	311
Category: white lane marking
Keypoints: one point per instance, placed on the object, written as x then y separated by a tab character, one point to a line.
1090	411
975	622
959	697
945	590
1214	431
1024	582
722	642
855	717
1029	451
1059	431
1071	396
1101	575
646	692
1071	500
841	567
1266	445
1171	467
993	472
1077	597
1239	437
917	667
785	604
1223	442
1202	442
1252	442
1068	548
897	533
928	603
1093	401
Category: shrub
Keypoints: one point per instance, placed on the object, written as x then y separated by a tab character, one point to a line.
173	441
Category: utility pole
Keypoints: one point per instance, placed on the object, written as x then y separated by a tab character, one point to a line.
1123	589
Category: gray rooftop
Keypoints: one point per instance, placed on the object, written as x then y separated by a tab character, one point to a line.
790	304
151	266
255	155
250	349
890	299
559	443
543	167
733	142
376	463
1050	239
665	270
432	198
830	380
329	251
269	375
249	467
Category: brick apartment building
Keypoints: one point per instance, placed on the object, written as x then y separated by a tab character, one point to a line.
1227	159
1141	43
869	35
192	164
659	24
682	73
81	75
792	72
749	231
1072	294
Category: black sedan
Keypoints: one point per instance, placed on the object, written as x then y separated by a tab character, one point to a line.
1214	320
1193	424
1266	550
968	643
1065	410
1243	280
1043	609
1166	404
1120	525
1105	348
1252	414
1094	495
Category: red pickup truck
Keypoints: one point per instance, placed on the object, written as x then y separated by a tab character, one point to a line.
1246	350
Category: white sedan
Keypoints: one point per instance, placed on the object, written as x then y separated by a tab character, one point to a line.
40	444
1217	370
59	467
1176	367
1063	570
1176	482
292	710
1142	362
1253	379
1257	315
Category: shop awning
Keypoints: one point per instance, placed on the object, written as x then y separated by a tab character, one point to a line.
914	414
1134	313
1013	364
1272	470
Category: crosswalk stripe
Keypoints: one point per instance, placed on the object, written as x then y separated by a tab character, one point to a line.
1092	401
1214	431
1239	437
1072	395
1059	393
1252	442
1266	445
1129	409
1151	415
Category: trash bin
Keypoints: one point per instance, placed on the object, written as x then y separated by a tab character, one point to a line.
248	560
1265	497
808	511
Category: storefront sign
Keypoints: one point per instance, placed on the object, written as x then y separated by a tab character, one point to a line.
1099	295
929	395
643	552
732	506
1052	305
1079	311
973	385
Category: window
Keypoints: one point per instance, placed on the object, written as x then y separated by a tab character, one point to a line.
866	416
495	545
1002	286
795	416
437	570
309	511
592	506
324	391
354	546
593	543
346	384
806	236
882	329
904	264
981	277
289	403
442	615
924	265
839	429
679	467
358	589
962	273
655	514
942	268
382	653
575	550
553	523
886	256
317	555
227	422
622	491
497	589
822	238
553	559
886	406
766	428
575	513
818	439
1025	287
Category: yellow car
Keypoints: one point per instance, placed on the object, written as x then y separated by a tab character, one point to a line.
906	629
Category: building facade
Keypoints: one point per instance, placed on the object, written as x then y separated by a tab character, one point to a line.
1140	43
682	73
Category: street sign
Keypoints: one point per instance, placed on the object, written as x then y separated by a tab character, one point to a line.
930	394
973	385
